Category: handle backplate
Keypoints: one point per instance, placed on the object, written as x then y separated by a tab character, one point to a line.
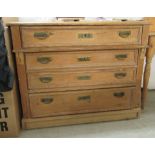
84	77
42	35
84	58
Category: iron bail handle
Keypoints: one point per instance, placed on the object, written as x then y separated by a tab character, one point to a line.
124	34
119	94
47	100
120	75
44	60
46	79
121	56
42	35
84	98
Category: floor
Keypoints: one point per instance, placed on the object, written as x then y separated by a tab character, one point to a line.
142	127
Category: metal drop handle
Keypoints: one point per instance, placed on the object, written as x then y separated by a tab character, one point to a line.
84	98
46	79
124	34
120	75
47	100
119	94
44	60
121	56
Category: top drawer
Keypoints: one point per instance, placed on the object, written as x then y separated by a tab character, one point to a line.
50	36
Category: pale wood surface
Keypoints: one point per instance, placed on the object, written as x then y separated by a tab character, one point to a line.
151	20
22	79
149	56
81	78
58	60
100	35
145	34
7	20
150	52
80	48
16	40
80	23
63	103
81	118
140	73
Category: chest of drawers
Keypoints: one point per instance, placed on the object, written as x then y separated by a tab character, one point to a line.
71	73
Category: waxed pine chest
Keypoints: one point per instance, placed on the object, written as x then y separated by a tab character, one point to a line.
79	72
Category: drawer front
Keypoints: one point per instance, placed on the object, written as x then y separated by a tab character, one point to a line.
36	61
81	78
64	103
51	36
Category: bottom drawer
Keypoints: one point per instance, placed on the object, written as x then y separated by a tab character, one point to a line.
73	102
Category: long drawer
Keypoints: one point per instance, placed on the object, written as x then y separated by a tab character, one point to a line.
50	60
47	80
51	36
63	103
